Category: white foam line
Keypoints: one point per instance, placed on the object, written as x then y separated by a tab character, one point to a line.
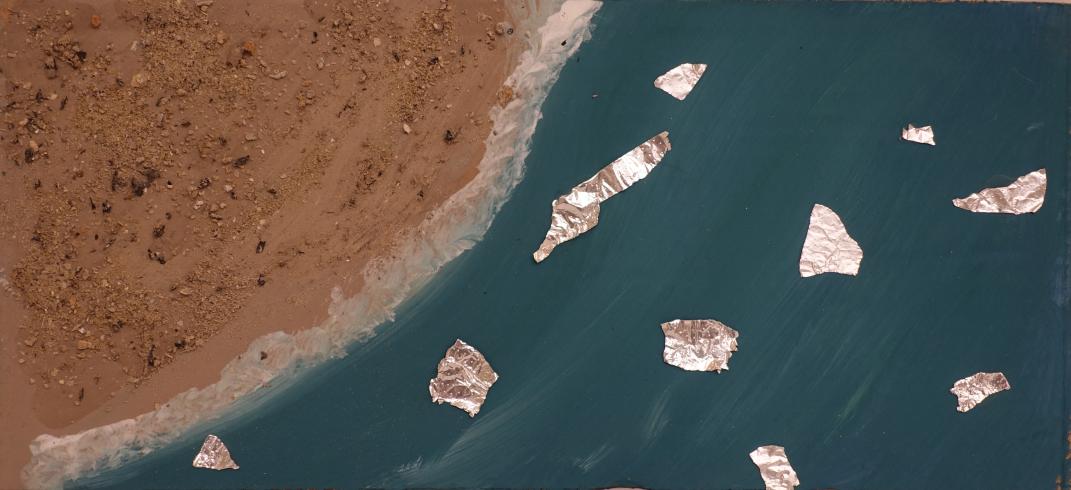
453	228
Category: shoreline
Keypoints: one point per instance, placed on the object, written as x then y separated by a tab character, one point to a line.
451	228
297	307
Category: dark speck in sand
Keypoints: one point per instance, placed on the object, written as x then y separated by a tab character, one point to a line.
263	355
563	43
260	246
242	160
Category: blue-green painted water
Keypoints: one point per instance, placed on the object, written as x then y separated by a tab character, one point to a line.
802	103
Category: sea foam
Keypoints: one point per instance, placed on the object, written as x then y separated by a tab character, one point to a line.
453	228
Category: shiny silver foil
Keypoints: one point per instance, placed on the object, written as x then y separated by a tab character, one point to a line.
680	81
970	391
578	211
828	247
699	345
214	455
774	467
464	378
922	135
1025	195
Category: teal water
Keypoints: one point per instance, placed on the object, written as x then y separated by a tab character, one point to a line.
802	103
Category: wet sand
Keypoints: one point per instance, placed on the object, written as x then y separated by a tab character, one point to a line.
204	175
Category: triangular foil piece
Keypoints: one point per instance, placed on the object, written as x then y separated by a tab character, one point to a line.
1025	195
774	467
828	247
578	211
464	378
680	81
214	455
699	345
970	391
922	135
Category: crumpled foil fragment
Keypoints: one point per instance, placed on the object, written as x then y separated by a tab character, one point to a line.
680	81
578	211
1025	195
774	467
922	135
828	247
970	391
214	455
464	378
699	345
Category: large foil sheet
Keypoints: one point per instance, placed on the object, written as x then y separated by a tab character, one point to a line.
970	391
828	246
464	378
774	467
1025	195
922	135
578	211
680	81
214	455
699	345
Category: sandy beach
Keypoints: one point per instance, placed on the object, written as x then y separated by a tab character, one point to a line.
180	178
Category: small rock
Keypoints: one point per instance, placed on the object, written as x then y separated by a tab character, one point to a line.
437	26
406	129
279	75
449	136
260	246
228	188
185	291
503	28
84	344
248	48
376	42
140	78
94	21
250	137
263	355
261	281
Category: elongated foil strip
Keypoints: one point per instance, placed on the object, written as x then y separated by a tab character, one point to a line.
680	81
774	467
922	135
214	455
828	247
578	211
1025	195
970	391
699	345
464	378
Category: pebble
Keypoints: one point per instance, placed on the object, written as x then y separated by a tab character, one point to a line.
376	42
279	75
94	21
406	129
140	78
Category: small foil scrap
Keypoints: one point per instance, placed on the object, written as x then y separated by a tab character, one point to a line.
970	391
1025	195
464	378
699	345
578	211
214	455
828	247
774	467
680	81
922	135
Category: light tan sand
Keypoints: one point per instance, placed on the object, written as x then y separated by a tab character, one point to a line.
343	109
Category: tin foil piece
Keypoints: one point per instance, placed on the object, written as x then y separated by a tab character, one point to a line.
922	135
214	455
578	211
680	81
464	378
699	345
774	467
828	247
970	391
1025	195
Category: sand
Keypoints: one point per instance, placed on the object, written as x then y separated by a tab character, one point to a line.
180	178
